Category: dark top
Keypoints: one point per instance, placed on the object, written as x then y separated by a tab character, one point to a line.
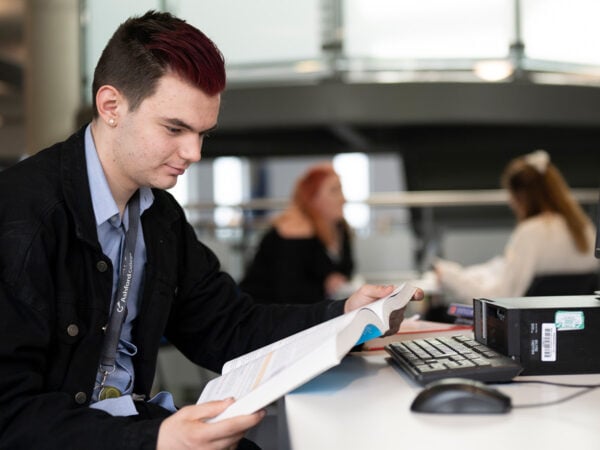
55	292
294	270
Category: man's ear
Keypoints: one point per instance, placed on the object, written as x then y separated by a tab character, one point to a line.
110	104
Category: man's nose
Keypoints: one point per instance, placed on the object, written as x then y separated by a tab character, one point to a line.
192	149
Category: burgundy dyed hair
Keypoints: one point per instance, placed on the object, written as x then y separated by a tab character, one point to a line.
144	48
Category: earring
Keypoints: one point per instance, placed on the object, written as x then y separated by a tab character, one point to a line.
111	122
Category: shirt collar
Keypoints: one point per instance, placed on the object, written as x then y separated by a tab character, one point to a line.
103	202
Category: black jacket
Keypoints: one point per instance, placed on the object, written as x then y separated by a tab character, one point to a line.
54	300
302	278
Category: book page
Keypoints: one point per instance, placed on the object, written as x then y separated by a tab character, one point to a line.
264	380
249	371
269	372
382	308
299	372
306	338
237	383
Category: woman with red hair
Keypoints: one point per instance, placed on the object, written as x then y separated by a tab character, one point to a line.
306	255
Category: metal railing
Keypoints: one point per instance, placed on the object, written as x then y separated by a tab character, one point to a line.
446	198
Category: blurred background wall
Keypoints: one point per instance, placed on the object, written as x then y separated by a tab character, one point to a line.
429	97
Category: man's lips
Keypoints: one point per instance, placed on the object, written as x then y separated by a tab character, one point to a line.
176	170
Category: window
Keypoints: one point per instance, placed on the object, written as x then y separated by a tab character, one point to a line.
427	28
353	169
555	30
229	188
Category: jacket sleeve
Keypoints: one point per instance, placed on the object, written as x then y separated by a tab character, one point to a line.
213	321
32	416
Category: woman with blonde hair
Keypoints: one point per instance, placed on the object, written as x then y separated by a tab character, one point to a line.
306	255
553	236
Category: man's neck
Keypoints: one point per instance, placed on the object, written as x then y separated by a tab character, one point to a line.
117	184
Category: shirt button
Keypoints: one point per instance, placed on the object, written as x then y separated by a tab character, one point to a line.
80	398
72	330
101	266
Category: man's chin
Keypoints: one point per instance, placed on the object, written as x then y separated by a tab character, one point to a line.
164	183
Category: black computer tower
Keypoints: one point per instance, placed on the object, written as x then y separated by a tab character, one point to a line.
547	335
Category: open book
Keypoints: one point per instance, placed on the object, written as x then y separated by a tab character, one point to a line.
258	378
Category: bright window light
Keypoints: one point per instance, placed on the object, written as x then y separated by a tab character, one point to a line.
556	30
353	169
228	189
427	28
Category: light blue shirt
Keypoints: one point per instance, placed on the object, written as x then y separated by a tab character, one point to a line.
111	236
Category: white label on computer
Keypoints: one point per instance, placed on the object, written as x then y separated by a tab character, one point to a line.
548	342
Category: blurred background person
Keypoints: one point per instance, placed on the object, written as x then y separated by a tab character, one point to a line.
553	236
306	254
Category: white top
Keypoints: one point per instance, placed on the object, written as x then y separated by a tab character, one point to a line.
538	245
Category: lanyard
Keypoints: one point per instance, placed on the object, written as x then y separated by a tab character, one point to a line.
119	310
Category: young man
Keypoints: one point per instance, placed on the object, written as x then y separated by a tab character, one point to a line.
97	262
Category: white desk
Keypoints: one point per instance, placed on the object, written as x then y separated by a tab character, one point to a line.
364	403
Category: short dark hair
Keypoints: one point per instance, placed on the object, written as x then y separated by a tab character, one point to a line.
144	48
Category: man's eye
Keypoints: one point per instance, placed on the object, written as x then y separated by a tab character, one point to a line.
174	130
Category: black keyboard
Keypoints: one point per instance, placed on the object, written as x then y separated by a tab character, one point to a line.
430	359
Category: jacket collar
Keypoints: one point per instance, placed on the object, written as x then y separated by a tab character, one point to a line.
75	186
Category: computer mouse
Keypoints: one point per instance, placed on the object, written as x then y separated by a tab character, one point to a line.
460	396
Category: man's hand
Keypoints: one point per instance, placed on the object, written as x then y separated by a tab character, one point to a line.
369	293
187	429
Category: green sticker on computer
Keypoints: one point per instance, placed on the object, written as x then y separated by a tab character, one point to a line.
569	320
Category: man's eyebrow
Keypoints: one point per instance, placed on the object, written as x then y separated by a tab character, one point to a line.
181	124
209	130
